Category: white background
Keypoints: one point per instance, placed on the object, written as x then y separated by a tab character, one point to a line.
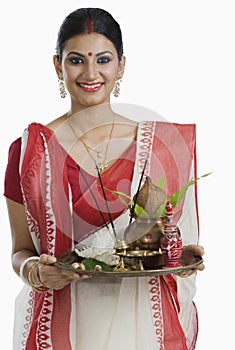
180	64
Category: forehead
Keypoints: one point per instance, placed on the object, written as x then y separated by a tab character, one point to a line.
94	42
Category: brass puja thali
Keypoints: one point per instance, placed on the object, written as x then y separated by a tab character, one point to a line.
150	246
188	262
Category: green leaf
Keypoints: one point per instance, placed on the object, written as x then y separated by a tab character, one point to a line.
122	196
161	211
91	263
161	183
177	197
139	211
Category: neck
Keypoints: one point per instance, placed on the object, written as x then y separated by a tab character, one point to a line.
92	117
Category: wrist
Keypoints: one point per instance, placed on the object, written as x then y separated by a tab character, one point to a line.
34	279
25	267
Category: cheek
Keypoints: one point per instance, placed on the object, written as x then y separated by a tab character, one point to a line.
70	75
70	72
112	74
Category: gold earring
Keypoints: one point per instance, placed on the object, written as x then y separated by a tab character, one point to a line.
63	92
116	90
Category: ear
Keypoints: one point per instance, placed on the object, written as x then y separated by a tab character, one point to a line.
57	66
121	67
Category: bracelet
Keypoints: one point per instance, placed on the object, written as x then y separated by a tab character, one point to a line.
39	289
22	266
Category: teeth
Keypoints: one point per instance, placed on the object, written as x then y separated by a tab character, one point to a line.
90	86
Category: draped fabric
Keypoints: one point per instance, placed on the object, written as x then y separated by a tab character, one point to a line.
145	312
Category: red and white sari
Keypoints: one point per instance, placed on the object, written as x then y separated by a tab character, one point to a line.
154	313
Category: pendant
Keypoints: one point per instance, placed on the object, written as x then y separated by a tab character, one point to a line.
102	167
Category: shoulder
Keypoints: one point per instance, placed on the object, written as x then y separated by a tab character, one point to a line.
54	124
15	146
14	155
49	127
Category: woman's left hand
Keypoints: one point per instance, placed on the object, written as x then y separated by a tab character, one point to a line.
197	250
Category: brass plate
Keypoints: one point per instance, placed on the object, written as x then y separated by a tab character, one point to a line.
188	261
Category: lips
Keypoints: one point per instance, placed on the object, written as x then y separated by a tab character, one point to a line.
94	87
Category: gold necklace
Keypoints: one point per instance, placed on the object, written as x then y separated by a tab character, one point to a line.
101	165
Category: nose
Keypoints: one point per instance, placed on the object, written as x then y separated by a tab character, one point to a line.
91	71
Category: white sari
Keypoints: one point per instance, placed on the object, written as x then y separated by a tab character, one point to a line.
154	313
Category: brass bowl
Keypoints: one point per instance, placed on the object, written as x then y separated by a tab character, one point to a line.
150	259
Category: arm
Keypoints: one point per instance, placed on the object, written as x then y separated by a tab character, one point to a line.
22	244
23	248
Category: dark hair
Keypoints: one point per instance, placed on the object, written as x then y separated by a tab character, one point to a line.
85	20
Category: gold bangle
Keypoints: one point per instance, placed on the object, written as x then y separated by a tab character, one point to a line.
39	289
22	267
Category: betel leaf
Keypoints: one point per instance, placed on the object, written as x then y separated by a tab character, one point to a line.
91	263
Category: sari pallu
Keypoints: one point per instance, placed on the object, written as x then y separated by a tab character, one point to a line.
153	313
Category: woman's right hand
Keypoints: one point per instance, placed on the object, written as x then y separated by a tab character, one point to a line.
53	277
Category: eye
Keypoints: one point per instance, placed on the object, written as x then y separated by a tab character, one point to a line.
103	59
76	60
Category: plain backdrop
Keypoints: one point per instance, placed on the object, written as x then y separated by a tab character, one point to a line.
180	64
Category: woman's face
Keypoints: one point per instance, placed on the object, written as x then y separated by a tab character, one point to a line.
90	68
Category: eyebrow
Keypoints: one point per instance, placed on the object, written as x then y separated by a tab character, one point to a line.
82	55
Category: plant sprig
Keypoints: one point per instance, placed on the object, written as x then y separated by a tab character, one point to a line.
175	198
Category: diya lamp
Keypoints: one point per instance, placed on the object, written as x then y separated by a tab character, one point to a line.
120	249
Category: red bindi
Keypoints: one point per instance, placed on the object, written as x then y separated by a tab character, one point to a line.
89	53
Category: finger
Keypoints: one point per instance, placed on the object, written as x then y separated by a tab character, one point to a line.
79	276
197	249
201	267
60	284
187	273
184	274
84	277
47	259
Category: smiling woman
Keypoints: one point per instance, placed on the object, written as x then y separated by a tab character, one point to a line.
94	62
55	188
89	66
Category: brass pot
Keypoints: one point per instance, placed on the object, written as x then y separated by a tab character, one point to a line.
145	233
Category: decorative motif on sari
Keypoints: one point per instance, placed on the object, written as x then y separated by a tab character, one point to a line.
155	299
159	140
28	319
37	175
145	145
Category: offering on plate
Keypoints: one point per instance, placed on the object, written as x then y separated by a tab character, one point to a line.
151	242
